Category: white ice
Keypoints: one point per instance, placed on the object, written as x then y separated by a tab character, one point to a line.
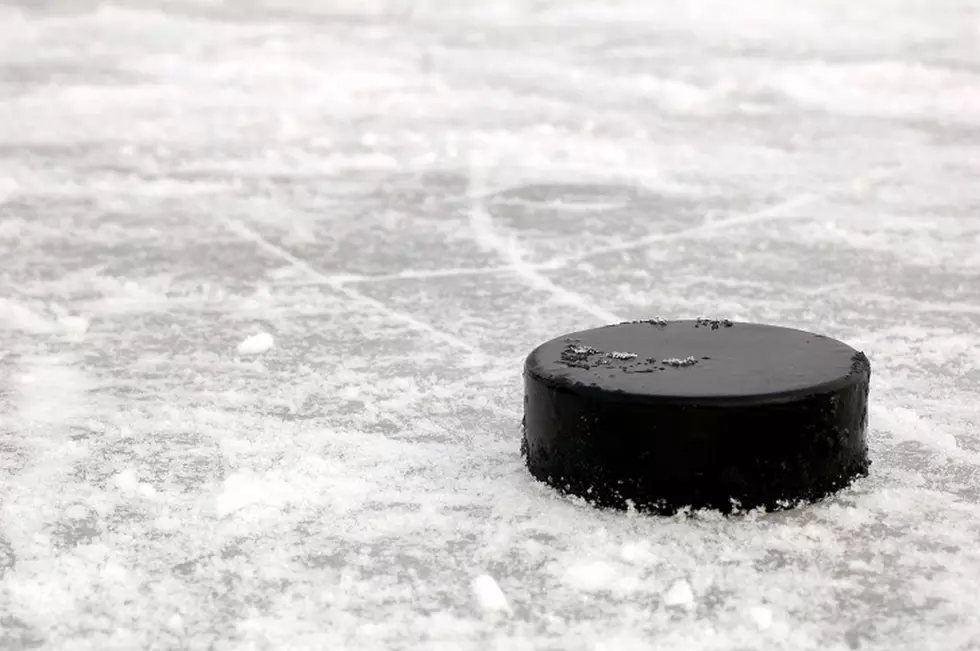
489	595
680	594
256	344
405	197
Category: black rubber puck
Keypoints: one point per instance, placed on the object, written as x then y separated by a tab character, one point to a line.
702	414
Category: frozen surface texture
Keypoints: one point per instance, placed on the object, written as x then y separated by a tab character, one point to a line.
401	199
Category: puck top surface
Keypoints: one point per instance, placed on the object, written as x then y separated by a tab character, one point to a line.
698	360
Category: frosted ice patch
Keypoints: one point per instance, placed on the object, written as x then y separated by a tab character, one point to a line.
166	523
369	140
76	512
76	325
282	273
175	622
637	552
593	576
246	489
680	594
18	316
52	393
114	572
761	615
259	300
73	202
72	324
256	344
625	643
902	424
126	480
489	595
239	491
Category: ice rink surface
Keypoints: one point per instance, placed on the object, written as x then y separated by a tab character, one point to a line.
269	270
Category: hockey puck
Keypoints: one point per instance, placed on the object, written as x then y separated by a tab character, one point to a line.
703	414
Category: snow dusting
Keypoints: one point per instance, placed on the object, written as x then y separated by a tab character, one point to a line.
489	595
622	355
269	271
762	616
680	363
680	594
256	344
